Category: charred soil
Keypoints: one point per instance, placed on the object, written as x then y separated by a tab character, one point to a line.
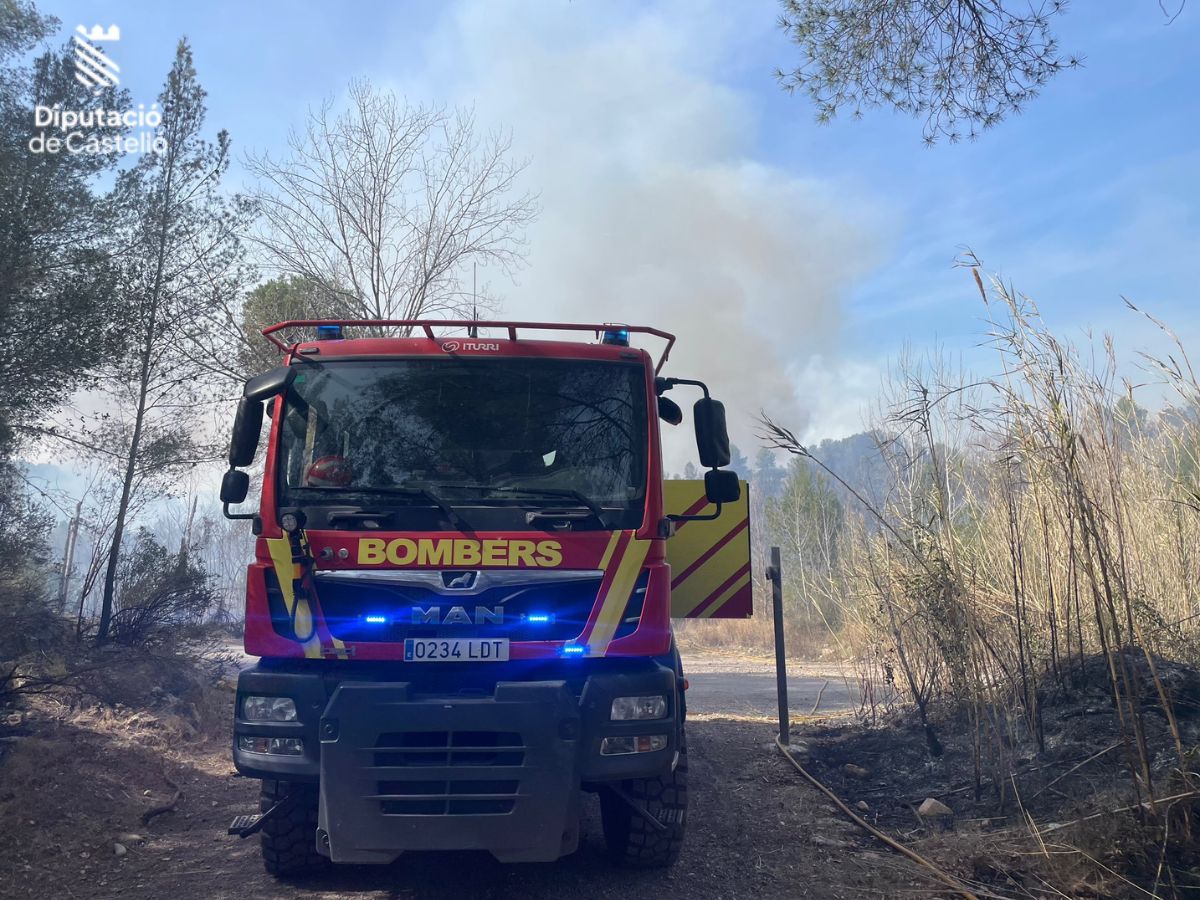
1050	818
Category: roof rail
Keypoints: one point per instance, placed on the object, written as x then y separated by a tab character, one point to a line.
427	325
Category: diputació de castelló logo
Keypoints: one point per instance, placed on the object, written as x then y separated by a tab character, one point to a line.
76	130
94	68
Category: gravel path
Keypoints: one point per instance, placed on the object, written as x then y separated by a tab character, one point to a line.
725	685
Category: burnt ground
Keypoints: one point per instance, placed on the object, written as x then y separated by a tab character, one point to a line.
73	784
1074	787
75	781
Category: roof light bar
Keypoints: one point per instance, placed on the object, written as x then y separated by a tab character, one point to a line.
428	325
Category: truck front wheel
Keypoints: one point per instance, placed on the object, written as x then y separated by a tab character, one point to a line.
289	838
631	838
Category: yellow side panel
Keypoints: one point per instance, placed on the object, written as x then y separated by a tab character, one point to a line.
710	561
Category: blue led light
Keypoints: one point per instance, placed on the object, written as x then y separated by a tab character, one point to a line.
539	618
574	649
375	620
329	332
617	335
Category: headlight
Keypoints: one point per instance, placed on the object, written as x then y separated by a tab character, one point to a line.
273	746
269	709
642	743
625	709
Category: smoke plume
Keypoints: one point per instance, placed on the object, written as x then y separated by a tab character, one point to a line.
655	208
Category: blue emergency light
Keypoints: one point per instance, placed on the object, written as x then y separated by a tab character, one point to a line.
376	619
574	649
539	618
329	332
616	335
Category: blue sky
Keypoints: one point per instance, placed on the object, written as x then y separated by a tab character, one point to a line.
835	243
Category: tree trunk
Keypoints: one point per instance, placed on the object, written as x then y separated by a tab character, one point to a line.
114	553
135	441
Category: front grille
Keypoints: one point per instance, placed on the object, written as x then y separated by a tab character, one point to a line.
401	771
345	604
447	798
449	748
460	796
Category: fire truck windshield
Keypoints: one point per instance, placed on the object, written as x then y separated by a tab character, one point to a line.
446	443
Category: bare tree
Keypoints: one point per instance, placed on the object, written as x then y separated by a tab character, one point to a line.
388	205
961	64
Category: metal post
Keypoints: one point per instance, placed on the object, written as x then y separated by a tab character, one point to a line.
775	576
64	580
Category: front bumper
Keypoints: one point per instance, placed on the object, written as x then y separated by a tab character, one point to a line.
409	765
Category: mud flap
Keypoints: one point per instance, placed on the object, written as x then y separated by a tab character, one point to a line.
498	774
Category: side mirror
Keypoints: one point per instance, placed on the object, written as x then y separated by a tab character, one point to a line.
712	436
669	411
269	384
234	487
246	426
722	486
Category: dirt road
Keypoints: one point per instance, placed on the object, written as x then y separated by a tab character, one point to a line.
754	829
735	686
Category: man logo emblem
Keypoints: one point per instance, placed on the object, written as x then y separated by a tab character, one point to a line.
93	68
459	581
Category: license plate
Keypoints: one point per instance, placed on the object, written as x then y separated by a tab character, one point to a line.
456	650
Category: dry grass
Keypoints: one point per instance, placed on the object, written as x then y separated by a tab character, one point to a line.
1036	519
755	636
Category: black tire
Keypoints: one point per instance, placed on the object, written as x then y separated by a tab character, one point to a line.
633	841
289	839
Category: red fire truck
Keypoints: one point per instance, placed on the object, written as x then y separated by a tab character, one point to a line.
466	566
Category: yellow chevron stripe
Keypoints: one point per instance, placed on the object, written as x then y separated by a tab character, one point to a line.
605	560
726	597
628	570
696	538
692	587
701	584
608	551
281	557
691	547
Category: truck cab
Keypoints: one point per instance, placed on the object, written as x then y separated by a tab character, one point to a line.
462	591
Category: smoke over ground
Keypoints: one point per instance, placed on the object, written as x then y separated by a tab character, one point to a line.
654	208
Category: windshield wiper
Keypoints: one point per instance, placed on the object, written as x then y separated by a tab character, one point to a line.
408	490
582	499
